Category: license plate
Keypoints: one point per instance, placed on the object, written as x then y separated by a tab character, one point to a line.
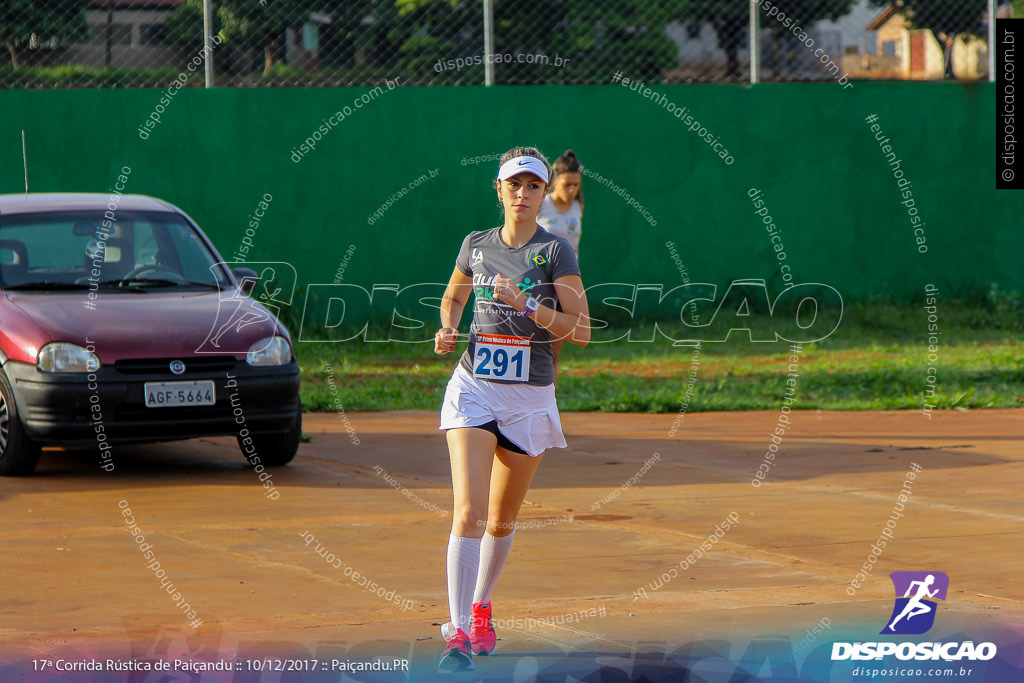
171	394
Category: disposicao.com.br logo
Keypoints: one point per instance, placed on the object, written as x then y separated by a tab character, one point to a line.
926	587
913	614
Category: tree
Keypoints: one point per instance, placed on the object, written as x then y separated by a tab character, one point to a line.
731	18
184	25
422	32
590	40
259	24
944	17
21	21
947	19
597	39
358	32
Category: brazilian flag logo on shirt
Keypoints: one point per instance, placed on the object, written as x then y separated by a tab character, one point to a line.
538	259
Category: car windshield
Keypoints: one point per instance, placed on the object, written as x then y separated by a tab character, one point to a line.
139	250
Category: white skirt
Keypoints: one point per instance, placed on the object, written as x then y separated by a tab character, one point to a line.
526	414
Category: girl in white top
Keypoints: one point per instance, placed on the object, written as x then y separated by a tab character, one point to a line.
561	213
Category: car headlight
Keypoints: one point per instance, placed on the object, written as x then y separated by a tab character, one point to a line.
269	351
67	357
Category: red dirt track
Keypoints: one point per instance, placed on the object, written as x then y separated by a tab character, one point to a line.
75	581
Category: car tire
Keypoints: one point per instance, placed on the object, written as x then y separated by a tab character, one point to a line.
277	449
18	454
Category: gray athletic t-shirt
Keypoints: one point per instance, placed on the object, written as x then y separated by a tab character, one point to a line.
534	267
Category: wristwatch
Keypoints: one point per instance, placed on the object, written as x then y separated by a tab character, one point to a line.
531	305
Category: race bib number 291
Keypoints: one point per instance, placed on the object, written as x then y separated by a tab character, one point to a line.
502	357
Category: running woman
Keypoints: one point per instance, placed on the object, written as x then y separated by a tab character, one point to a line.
499	413
561	214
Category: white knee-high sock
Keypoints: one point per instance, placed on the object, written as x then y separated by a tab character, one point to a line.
493	553
463	563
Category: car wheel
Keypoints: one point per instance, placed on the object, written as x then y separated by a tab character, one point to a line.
18	453
277	449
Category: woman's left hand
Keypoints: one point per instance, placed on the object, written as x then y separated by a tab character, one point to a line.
506	291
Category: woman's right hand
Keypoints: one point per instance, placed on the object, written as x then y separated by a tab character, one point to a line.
444	340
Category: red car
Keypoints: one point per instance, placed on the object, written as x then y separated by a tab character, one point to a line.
120	323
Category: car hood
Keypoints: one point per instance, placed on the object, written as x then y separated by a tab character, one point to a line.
153	324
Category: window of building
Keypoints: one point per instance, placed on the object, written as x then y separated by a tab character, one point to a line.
153	34
121	34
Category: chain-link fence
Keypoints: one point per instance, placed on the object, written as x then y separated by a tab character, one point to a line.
151	43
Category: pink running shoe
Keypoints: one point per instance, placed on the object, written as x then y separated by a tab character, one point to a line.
456	655
481	631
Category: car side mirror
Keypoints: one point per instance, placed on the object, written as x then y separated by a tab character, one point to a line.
247	279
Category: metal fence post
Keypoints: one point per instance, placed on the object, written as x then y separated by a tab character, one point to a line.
208	40
755	25
107	37
991	40
488	42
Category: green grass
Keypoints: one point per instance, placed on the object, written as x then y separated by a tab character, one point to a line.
876	360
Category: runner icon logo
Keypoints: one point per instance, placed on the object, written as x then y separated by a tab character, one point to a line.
916	596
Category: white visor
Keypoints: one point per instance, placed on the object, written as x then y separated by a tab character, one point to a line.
518	165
